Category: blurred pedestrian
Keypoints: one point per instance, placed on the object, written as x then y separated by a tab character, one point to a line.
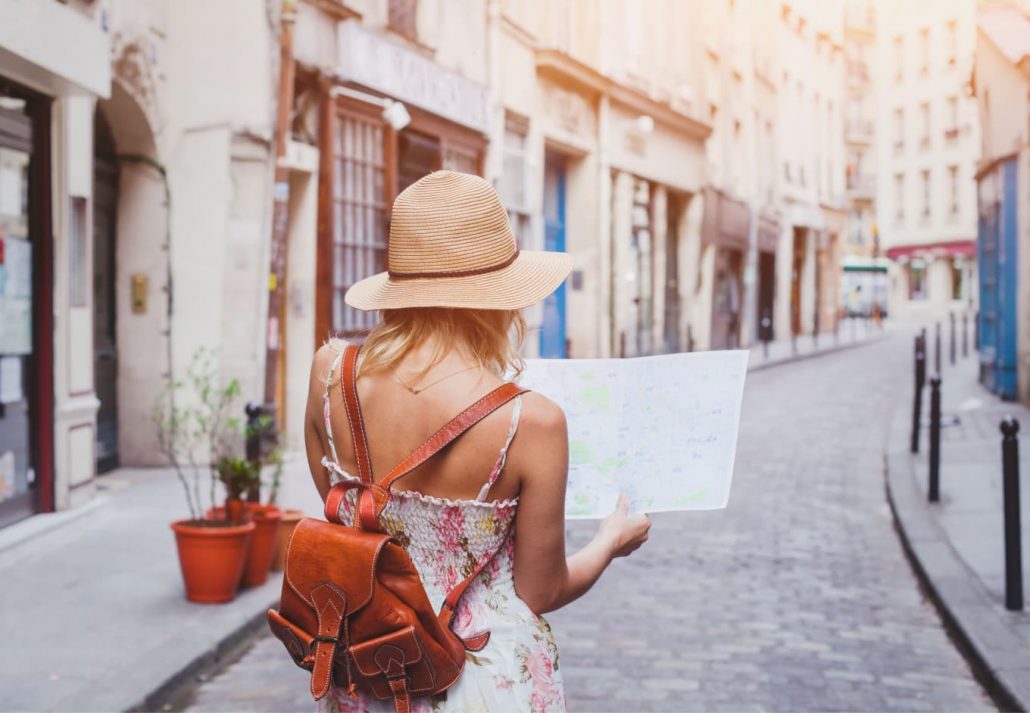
450	329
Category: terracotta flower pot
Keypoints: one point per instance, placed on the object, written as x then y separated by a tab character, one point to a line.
266	519
211	556
287	523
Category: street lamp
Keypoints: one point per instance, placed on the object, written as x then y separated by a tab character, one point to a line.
394	112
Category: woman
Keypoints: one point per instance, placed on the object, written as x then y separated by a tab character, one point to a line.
450	304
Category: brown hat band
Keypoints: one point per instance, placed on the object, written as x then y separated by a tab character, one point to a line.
396	275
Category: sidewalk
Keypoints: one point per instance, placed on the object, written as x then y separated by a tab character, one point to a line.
94	617
957	545
852	332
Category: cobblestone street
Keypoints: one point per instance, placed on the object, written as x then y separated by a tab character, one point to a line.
797	597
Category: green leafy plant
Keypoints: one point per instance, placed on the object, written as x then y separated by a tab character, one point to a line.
238	475
268	458
195	427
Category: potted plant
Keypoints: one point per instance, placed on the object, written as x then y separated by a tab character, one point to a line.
191	416
263	448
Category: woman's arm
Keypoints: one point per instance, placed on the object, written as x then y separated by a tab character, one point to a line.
544	578
314	443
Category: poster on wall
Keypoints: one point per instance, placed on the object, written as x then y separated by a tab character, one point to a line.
15	326
10	380
17	262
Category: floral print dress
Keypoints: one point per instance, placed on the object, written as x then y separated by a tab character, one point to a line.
517	670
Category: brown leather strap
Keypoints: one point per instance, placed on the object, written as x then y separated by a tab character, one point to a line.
349	386
401	696
330	604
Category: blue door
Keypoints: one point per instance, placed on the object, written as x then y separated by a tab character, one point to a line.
552	331
997	258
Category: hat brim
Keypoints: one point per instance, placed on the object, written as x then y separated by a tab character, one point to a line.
530	278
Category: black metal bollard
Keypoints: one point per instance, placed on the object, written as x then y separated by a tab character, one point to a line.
934	493
937	348
951	342
965	334
1010	490
917	396
261	436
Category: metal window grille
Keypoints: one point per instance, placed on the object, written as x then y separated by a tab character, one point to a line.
359	204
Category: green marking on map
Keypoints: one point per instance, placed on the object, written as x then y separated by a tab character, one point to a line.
579	452
595	397
692	498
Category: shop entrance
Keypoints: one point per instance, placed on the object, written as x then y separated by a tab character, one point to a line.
105	348
726	299
26	342
671	332
796	275
766	294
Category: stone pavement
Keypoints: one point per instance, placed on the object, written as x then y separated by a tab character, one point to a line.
958	543
796	597
93	615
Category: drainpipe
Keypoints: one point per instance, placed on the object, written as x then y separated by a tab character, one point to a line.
280	213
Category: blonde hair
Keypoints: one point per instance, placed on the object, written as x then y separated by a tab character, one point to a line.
492	337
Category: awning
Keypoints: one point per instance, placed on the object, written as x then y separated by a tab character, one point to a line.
946	248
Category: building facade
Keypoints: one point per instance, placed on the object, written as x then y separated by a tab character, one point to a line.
1002	71
927	146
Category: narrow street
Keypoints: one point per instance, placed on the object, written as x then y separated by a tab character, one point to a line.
797	597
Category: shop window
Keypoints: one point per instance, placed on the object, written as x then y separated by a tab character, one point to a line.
917	280
459	158
359	220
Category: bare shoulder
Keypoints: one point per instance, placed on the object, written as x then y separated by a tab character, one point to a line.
541	415
324	357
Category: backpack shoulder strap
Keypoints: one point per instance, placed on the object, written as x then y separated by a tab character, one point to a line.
349	385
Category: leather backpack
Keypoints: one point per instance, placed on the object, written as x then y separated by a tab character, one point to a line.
353	610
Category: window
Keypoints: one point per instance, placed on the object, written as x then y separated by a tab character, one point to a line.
925	177
924	121
917	280
924	50
899	58
359	219
512	188
402	18
899	129
952	42
951	132
953	189
899	197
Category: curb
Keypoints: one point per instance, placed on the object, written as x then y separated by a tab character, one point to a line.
981	628
226	650
755	365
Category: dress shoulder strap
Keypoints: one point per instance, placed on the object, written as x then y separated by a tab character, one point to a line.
325	409
499	465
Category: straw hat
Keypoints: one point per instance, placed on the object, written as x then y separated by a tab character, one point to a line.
451	245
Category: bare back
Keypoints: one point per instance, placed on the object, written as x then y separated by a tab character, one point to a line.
397	422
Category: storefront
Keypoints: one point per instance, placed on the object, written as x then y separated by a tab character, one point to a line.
725	229
26	399
53	61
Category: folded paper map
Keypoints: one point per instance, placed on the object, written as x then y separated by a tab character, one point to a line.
661	429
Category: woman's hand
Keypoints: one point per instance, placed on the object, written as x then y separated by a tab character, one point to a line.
623	532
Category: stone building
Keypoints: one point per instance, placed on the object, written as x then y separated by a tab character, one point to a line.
143	153
927	145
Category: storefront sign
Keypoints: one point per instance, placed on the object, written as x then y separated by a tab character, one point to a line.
367	58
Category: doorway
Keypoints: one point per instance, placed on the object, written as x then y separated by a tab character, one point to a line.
105	346
552	330
726	299
796	275
766	295
671	332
